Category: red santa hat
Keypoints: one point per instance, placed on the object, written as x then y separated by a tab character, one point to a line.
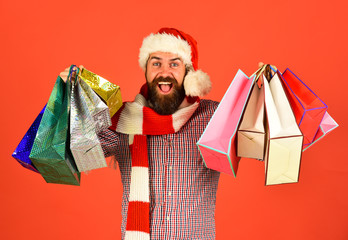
196	82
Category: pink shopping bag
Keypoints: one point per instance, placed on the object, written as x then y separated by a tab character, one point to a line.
217	144
326	126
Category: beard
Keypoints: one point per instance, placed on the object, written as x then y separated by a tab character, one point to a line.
165	104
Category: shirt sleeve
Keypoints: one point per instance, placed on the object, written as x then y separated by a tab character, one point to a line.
109	140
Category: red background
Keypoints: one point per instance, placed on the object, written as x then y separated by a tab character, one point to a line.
41	38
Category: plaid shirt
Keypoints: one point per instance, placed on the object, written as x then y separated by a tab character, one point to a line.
182	189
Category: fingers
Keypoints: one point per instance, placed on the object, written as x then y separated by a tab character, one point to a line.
64	74
261	64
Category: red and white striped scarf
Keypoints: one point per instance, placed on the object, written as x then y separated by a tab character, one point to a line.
138	120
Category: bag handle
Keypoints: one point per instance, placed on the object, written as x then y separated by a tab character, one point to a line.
73	69
267	70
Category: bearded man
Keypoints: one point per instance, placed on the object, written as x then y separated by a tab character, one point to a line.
168	193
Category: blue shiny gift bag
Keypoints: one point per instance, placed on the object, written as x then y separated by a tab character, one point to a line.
22	152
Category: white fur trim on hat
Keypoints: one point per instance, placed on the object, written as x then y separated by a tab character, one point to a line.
197	84
163	42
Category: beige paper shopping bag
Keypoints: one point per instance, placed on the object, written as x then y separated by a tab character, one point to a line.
284	138
251	132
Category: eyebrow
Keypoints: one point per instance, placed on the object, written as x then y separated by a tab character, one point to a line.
174	59
157	58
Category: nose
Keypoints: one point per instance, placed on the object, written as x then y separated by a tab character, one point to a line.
165	71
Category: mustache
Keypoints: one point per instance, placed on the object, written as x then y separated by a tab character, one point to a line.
164	79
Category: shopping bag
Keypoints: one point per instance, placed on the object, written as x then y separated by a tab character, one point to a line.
21	154
108	91
217	144
326	126
98	109
308	108
284	138
251	132
89	116
50	153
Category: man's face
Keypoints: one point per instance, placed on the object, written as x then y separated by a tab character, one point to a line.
165	74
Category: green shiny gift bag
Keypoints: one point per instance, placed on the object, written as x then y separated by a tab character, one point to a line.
51	154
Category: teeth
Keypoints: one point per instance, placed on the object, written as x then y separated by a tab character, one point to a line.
166	83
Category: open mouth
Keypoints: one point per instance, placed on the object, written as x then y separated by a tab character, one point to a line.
165	87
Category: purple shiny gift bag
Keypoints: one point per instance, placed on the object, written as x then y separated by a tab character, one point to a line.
22	152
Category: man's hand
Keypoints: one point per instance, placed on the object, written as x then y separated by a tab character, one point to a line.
261	64
64	75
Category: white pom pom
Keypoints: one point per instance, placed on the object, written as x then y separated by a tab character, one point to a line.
197	84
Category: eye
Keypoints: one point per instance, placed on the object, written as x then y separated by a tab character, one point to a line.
156	64
174	64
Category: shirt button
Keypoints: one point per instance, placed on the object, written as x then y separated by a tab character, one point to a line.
170	193
170	168
167	218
